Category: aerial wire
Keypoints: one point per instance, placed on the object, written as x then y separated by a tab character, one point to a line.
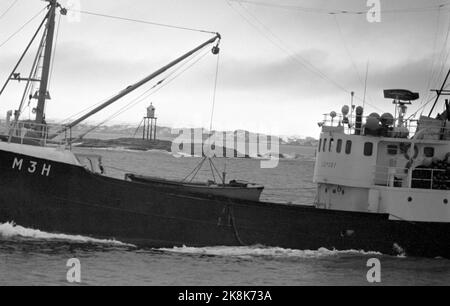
314	10
8	9
52	66
143	21
365	85
344	42
153	90
281	45
432	68
215	92
21	28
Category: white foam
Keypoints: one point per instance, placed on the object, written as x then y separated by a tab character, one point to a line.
11	230
256	251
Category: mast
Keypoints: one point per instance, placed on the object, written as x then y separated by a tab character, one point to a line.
43	88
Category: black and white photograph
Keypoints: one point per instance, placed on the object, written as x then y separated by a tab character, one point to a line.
224	150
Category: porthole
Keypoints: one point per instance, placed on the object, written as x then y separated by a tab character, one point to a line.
445	201
410	199
428	152
368	149
339	146
348	147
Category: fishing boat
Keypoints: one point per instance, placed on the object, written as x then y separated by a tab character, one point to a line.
235	189
381	183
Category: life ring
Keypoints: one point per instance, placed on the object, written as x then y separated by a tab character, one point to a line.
407	148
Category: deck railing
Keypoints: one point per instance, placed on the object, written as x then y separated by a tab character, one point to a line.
28	132
431	128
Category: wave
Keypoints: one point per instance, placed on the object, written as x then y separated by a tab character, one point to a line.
10	231
261	251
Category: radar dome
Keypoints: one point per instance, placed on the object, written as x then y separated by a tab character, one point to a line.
372	123
333	114
387	119
375	115
345	110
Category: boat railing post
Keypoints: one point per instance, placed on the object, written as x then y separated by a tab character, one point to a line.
44	137
432	178
410	177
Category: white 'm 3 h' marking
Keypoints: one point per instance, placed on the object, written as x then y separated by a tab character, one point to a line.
32	167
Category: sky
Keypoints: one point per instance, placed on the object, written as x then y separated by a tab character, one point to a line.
283	63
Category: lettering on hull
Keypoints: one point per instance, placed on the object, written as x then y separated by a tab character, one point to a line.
32	167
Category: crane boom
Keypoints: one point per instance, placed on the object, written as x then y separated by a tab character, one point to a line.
142	82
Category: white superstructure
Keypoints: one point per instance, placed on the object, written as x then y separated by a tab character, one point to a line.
385	164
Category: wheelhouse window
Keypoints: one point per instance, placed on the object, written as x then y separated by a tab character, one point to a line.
348	147
428	151
392	149
324	145
320	144
339	146
330	145
368	149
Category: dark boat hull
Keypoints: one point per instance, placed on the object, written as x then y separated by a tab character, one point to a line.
73	200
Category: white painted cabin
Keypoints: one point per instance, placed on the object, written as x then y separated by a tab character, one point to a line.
377	173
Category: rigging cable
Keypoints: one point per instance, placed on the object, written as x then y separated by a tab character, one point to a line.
29	88
363	83
22	27
215	92
421	108
432	68
442	57
341	11
23	54
443	60
52	66
142	21
148	93
295	58
8	9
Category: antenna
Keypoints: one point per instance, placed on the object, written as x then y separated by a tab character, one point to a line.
365	85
